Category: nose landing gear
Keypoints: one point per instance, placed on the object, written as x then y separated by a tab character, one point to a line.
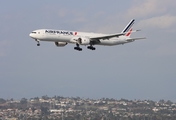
38	42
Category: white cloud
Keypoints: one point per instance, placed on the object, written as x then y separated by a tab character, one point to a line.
162	22
145	8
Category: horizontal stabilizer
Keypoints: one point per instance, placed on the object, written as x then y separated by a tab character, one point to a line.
133	39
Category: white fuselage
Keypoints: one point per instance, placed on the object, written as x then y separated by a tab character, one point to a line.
63	37
71	37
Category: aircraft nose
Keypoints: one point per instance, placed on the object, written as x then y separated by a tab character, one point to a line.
31	35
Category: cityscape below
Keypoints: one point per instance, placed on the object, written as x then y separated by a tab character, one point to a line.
76	108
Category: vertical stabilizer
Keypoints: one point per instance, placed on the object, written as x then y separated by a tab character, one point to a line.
129	26
129	33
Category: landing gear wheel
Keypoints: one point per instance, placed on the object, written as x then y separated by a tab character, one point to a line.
38	43
91	48
78	48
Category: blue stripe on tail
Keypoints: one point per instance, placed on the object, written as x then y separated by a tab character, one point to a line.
128	27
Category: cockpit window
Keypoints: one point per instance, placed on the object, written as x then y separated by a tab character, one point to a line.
34	32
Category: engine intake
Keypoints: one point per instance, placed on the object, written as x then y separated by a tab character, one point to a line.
60	44
84	41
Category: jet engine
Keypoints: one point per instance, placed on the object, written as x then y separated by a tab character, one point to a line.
60	44
84	41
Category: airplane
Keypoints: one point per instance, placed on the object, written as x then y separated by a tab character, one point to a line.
63	37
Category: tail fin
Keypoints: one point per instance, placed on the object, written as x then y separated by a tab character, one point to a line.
129	33
128	27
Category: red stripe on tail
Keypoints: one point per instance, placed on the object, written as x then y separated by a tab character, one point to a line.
129	33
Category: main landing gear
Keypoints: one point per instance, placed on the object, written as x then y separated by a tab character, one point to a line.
77	47
91	47
80	49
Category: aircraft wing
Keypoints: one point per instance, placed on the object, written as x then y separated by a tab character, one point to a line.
107	36
133	39
111	35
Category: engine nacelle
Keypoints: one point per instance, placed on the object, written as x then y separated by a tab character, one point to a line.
84	41
60	44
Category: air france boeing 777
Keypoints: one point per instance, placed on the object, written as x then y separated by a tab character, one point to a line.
63	37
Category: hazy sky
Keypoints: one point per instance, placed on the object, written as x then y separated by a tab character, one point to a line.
144	69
